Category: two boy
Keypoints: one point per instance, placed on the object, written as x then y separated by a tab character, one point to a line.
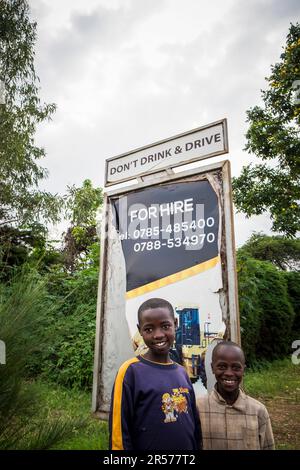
153	402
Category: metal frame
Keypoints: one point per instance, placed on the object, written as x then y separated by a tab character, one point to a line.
233	303
100	310
230	270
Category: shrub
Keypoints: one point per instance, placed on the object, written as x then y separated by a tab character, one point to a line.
293	284
251	312
24	316
266	312
69	359
278	315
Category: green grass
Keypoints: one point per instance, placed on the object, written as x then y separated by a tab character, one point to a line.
277	385
277	379
57	401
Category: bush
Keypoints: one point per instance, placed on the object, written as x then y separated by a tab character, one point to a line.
293	283
251	312
278	317
69	360
266	312
24	316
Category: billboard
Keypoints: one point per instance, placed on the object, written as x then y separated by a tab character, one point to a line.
170	238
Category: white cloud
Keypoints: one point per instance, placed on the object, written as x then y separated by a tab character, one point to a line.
128	73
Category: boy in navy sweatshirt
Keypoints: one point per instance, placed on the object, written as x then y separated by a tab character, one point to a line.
153	402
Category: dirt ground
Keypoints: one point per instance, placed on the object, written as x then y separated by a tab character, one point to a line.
285	418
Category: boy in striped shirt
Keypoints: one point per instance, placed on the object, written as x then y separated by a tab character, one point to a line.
230	419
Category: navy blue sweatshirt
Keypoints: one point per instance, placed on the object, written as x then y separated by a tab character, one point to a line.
153	408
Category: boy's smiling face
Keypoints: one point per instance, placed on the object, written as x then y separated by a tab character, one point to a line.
228	365
157	327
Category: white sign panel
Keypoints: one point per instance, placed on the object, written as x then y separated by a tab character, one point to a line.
201	143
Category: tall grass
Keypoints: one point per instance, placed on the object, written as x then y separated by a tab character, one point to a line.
70	403
25	311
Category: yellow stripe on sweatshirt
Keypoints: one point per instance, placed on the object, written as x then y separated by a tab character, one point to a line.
117	436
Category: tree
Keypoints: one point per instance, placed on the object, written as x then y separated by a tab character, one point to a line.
21	202
281	251
273	136
81	208
16	246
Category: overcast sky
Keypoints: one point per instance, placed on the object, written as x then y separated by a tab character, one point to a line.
126	73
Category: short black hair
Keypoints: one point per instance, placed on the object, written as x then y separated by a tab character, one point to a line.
225	343
155	303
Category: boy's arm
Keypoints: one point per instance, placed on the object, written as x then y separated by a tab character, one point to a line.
266	437
121	414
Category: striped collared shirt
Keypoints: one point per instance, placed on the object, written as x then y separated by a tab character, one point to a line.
245	425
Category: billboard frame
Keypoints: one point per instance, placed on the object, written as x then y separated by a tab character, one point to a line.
227	253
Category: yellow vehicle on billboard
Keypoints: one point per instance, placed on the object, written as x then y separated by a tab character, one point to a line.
191	343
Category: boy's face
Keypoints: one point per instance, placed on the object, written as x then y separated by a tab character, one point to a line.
157	327
228	366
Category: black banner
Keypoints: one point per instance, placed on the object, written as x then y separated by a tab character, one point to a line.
166	229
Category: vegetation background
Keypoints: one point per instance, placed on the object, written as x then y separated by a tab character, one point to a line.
48	288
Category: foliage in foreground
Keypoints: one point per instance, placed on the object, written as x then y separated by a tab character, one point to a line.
268	316
70	404
24	315
68	358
